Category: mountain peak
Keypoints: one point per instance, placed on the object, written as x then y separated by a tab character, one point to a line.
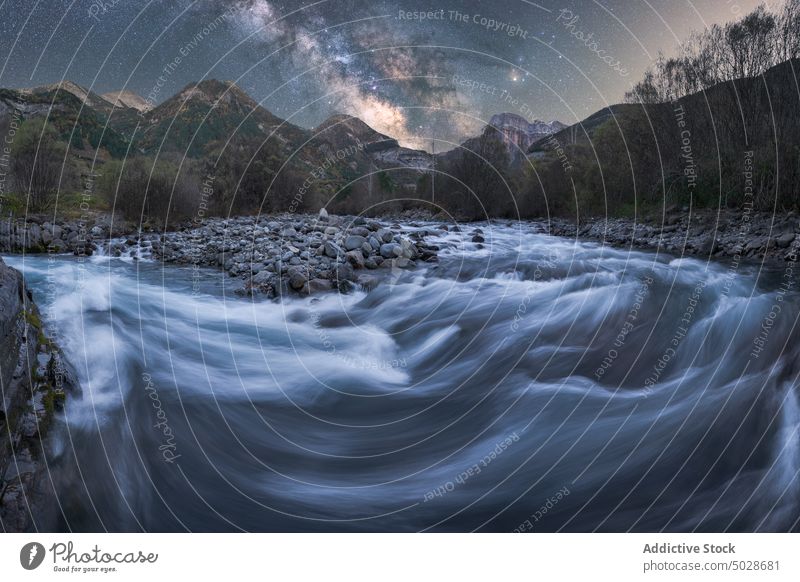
212	91
354	127
519	133
126	98
515	121
81	93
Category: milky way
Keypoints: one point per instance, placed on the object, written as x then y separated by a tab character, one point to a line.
429	73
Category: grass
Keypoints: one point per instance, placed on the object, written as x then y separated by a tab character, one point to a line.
33	318
66	205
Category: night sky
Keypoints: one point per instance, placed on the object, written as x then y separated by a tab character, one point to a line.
444	75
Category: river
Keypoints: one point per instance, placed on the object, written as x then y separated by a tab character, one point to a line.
534	384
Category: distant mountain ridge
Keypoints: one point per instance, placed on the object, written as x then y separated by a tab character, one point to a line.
202	118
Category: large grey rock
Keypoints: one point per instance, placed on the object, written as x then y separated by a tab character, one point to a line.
316	286
355	258
360	231
332	250
354	242
297	278
263	278
391	250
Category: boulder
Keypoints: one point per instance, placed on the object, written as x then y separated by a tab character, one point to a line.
391	250
332	250
354	242
297	278
318	286
355	258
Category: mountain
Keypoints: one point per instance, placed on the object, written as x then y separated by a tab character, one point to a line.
80	116
733	144
82	94
571	134
203	116
201	119
519	133
127	99
344	130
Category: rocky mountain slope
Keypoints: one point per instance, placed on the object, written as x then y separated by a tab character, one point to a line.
518	134
127	99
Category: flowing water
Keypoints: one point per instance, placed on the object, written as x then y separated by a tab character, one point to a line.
533	384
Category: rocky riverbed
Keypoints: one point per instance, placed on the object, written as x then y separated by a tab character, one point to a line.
288	254
305	254
38	234
705	234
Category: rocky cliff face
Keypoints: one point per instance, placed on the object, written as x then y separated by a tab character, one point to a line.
519	133
34	380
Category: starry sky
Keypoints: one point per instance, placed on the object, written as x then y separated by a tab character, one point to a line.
426	72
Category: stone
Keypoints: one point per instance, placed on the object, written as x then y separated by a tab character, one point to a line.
342	272
318	286
332	250
323	215
391	250
354	242
783	241
360	231
367	282
355	258
297	279
385	235
755	244
408	250
263	278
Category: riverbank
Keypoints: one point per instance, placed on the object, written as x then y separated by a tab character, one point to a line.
35	381
306	254
705	234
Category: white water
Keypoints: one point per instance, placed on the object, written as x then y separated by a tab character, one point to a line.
346	412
